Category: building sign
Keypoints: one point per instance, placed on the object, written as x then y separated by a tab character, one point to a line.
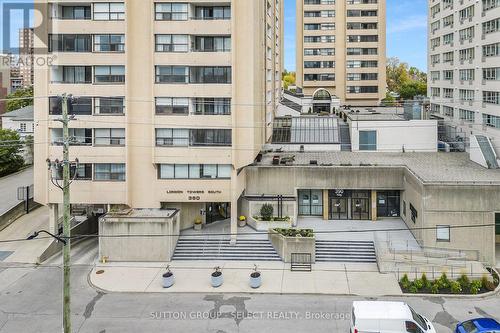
194	195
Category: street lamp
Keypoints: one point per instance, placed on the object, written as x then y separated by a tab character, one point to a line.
37	233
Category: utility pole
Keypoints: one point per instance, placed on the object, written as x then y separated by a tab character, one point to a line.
66	219
55	168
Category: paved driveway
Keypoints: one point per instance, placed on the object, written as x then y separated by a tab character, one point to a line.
9	185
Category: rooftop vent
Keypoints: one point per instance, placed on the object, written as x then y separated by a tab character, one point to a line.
313	162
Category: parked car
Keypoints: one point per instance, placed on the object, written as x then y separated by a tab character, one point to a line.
478	325
387	317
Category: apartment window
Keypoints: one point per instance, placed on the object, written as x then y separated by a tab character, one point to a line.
362	38
448	21
466	115
491	74
491	50
361	64
435	42
195	171
69	43
435	9
435	92
76	105
172	74
80	172
109	105
491	97
448	39
109	74
210	137
443	233
219	75
175	137
466	95
491	26
414	213
171	11
361	76
361	51
435	59
75	13
435	108
319	77
213	13
466	54
112	11
448	111
490	4
78	136
491	121
362	89
319	39
466	74
172	43
109	137
448	75
109	43
361	13
319	64
172	106
73	74
435	26
321	52
448	57
467	33
447	93
22	127
435	75
466	13
212	44
109	172
362	26
212	106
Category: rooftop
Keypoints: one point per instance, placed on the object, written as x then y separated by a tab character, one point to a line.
375	113
429	167
25	113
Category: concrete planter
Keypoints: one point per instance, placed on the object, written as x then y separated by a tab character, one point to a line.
255	280
266	225
285	246
197	226
168	280
217	279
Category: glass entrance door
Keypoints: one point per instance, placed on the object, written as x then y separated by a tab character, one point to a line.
338	209
218	211
360	208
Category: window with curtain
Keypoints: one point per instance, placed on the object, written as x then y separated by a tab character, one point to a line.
109	172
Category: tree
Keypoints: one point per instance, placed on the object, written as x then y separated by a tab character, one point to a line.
289	78
407	81
11	159
389	100
14	102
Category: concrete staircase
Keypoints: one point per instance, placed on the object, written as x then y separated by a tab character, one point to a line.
345	251
196	248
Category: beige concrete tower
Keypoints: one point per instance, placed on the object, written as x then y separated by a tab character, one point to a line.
172	100
341	47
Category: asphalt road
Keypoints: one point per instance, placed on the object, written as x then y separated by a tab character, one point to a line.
9	185
30	301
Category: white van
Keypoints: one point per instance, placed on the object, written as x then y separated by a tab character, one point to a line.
387	317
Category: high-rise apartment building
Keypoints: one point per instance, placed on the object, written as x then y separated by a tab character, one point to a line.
26	56
464	65
341	48
172	100
4	81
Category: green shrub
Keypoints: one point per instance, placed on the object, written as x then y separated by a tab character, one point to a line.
413	289
455	287
419	284
267	211
475	286
443	281
435	288
292	232
464	282
405	282
425	281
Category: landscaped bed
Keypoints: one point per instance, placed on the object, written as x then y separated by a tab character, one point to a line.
443	285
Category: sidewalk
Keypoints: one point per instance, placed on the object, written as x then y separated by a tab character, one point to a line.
194	277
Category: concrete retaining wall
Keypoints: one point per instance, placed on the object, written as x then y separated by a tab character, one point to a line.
16	212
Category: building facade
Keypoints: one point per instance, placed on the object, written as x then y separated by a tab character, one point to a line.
4	81
341	48
26	56
172	99
464	65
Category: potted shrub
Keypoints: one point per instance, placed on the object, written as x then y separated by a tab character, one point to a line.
198	223
168	278
242	221
266	212
217	278
255	278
